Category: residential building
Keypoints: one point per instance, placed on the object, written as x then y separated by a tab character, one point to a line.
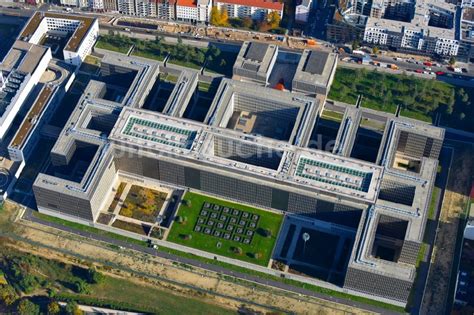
303	7
255	9
193	10
424	27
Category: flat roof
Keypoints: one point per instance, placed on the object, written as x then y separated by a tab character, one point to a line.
76	38
193	141
32	116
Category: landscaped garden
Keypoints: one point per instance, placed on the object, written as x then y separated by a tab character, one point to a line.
180	54
143	204
226	228
420	99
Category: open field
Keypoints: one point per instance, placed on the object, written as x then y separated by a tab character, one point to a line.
107	252
145	270
31	274
451	224
259	249
420	99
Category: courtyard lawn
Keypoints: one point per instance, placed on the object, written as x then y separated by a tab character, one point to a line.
184	233
143	204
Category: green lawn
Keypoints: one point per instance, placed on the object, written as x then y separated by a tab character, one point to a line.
223	63
432	207
260	244
145	53
110	46
419	98
332	115
183	63
87	228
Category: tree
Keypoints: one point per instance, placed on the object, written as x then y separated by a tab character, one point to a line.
80	286
223	18
452	61
26	307
375	50
237	250
274	19
215	17
93	276
72	308
247	22
54	308
8	295
355	44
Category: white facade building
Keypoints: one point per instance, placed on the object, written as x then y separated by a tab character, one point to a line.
191	10
255	9
302	11
84	30
429	31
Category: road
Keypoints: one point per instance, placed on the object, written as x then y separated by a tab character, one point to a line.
218	269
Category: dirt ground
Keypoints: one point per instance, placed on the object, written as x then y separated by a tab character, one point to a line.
52	243
454	204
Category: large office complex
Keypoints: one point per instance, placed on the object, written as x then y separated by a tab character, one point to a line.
35	74
258	146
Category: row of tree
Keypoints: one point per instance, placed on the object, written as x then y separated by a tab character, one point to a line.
221	18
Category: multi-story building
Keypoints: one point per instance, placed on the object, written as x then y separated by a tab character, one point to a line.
303	7
424	27
255	62
74	3
254	147
255	9
126	7
193	10
21	70
84	30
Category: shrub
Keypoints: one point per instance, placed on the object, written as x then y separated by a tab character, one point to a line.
237	250
8	295
54	308
93	276
26	307
72	308
80	286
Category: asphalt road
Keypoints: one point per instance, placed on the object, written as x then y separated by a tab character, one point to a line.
218	269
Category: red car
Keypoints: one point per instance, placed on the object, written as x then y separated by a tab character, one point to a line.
440	73
419	71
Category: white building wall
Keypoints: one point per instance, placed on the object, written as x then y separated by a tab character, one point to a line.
96	4
85	47
187	13
302	13
27	85
241	11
